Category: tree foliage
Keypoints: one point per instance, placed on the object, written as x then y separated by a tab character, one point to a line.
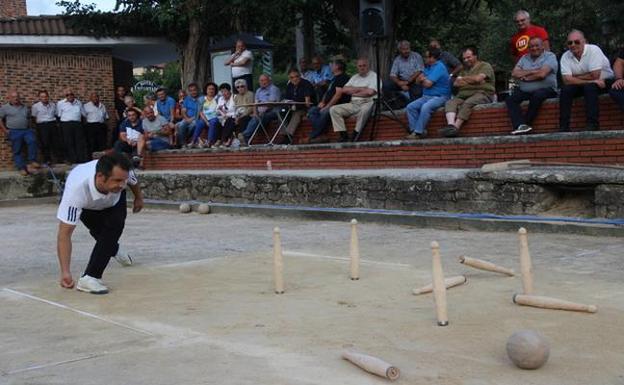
334	28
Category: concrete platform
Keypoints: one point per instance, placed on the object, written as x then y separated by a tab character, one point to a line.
198	306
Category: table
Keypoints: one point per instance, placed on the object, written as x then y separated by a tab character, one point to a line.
290	104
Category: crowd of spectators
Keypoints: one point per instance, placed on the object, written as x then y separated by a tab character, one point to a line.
217	116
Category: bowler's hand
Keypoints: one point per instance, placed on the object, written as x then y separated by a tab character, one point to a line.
67	281
137	205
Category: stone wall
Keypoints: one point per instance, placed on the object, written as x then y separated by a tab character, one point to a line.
471	193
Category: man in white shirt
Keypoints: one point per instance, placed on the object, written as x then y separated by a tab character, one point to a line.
241	62
69	110
96	131
44	113
95	194
362	87
585	71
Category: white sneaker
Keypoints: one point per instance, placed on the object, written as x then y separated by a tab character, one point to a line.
522	129
123	258
91	285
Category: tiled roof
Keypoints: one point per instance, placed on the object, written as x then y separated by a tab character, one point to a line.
35	25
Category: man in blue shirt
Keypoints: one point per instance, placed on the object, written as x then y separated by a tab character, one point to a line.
537	76
165	104
320	76
190	115
267	92
436	91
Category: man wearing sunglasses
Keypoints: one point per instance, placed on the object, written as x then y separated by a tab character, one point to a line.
526	30
586	71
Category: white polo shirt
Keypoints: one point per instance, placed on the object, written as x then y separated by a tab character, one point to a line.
44	113
93	113
69	112
238	71
80	193
368	81
592	59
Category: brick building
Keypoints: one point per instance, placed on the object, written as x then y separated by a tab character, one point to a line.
44	53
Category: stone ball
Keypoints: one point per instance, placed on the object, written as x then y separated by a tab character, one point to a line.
185	208
528	349
204	208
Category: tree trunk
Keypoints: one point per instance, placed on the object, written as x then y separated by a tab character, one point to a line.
195	58
349	14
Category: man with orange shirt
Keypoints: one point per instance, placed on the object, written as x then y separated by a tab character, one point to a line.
526	30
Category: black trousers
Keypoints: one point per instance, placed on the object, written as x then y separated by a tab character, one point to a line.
96	137
225	130
535	98
50	141
106	227
73	138
390	88
590	91
618	97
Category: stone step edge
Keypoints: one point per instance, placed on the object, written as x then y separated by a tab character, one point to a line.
469	140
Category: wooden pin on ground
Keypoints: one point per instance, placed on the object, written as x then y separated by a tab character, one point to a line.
448	282
278	263
439	289
372	364
354	252
485	265
552	303
525	262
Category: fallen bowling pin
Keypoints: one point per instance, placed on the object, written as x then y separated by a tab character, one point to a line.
552	303
372	364
448	282
485	265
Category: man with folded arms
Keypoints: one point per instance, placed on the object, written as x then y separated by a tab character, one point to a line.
537	76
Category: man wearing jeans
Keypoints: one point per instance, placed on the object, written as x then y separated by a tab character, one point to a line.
190	115
319	115
17	118
537	76
585	71
436	91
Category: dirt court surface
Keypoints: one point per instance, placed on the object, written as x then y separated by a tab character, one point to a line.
198	305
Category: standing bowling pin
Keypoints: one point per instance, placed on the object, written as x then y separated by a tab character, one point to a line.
354	252
278	263
525	262
439	288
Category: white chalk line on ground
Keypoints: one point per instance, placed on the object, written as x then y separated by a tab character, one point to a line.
53	364
286	253
363	261
81	312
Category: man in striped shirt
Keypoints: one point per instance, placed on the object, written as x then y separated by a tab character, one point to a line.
95	194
